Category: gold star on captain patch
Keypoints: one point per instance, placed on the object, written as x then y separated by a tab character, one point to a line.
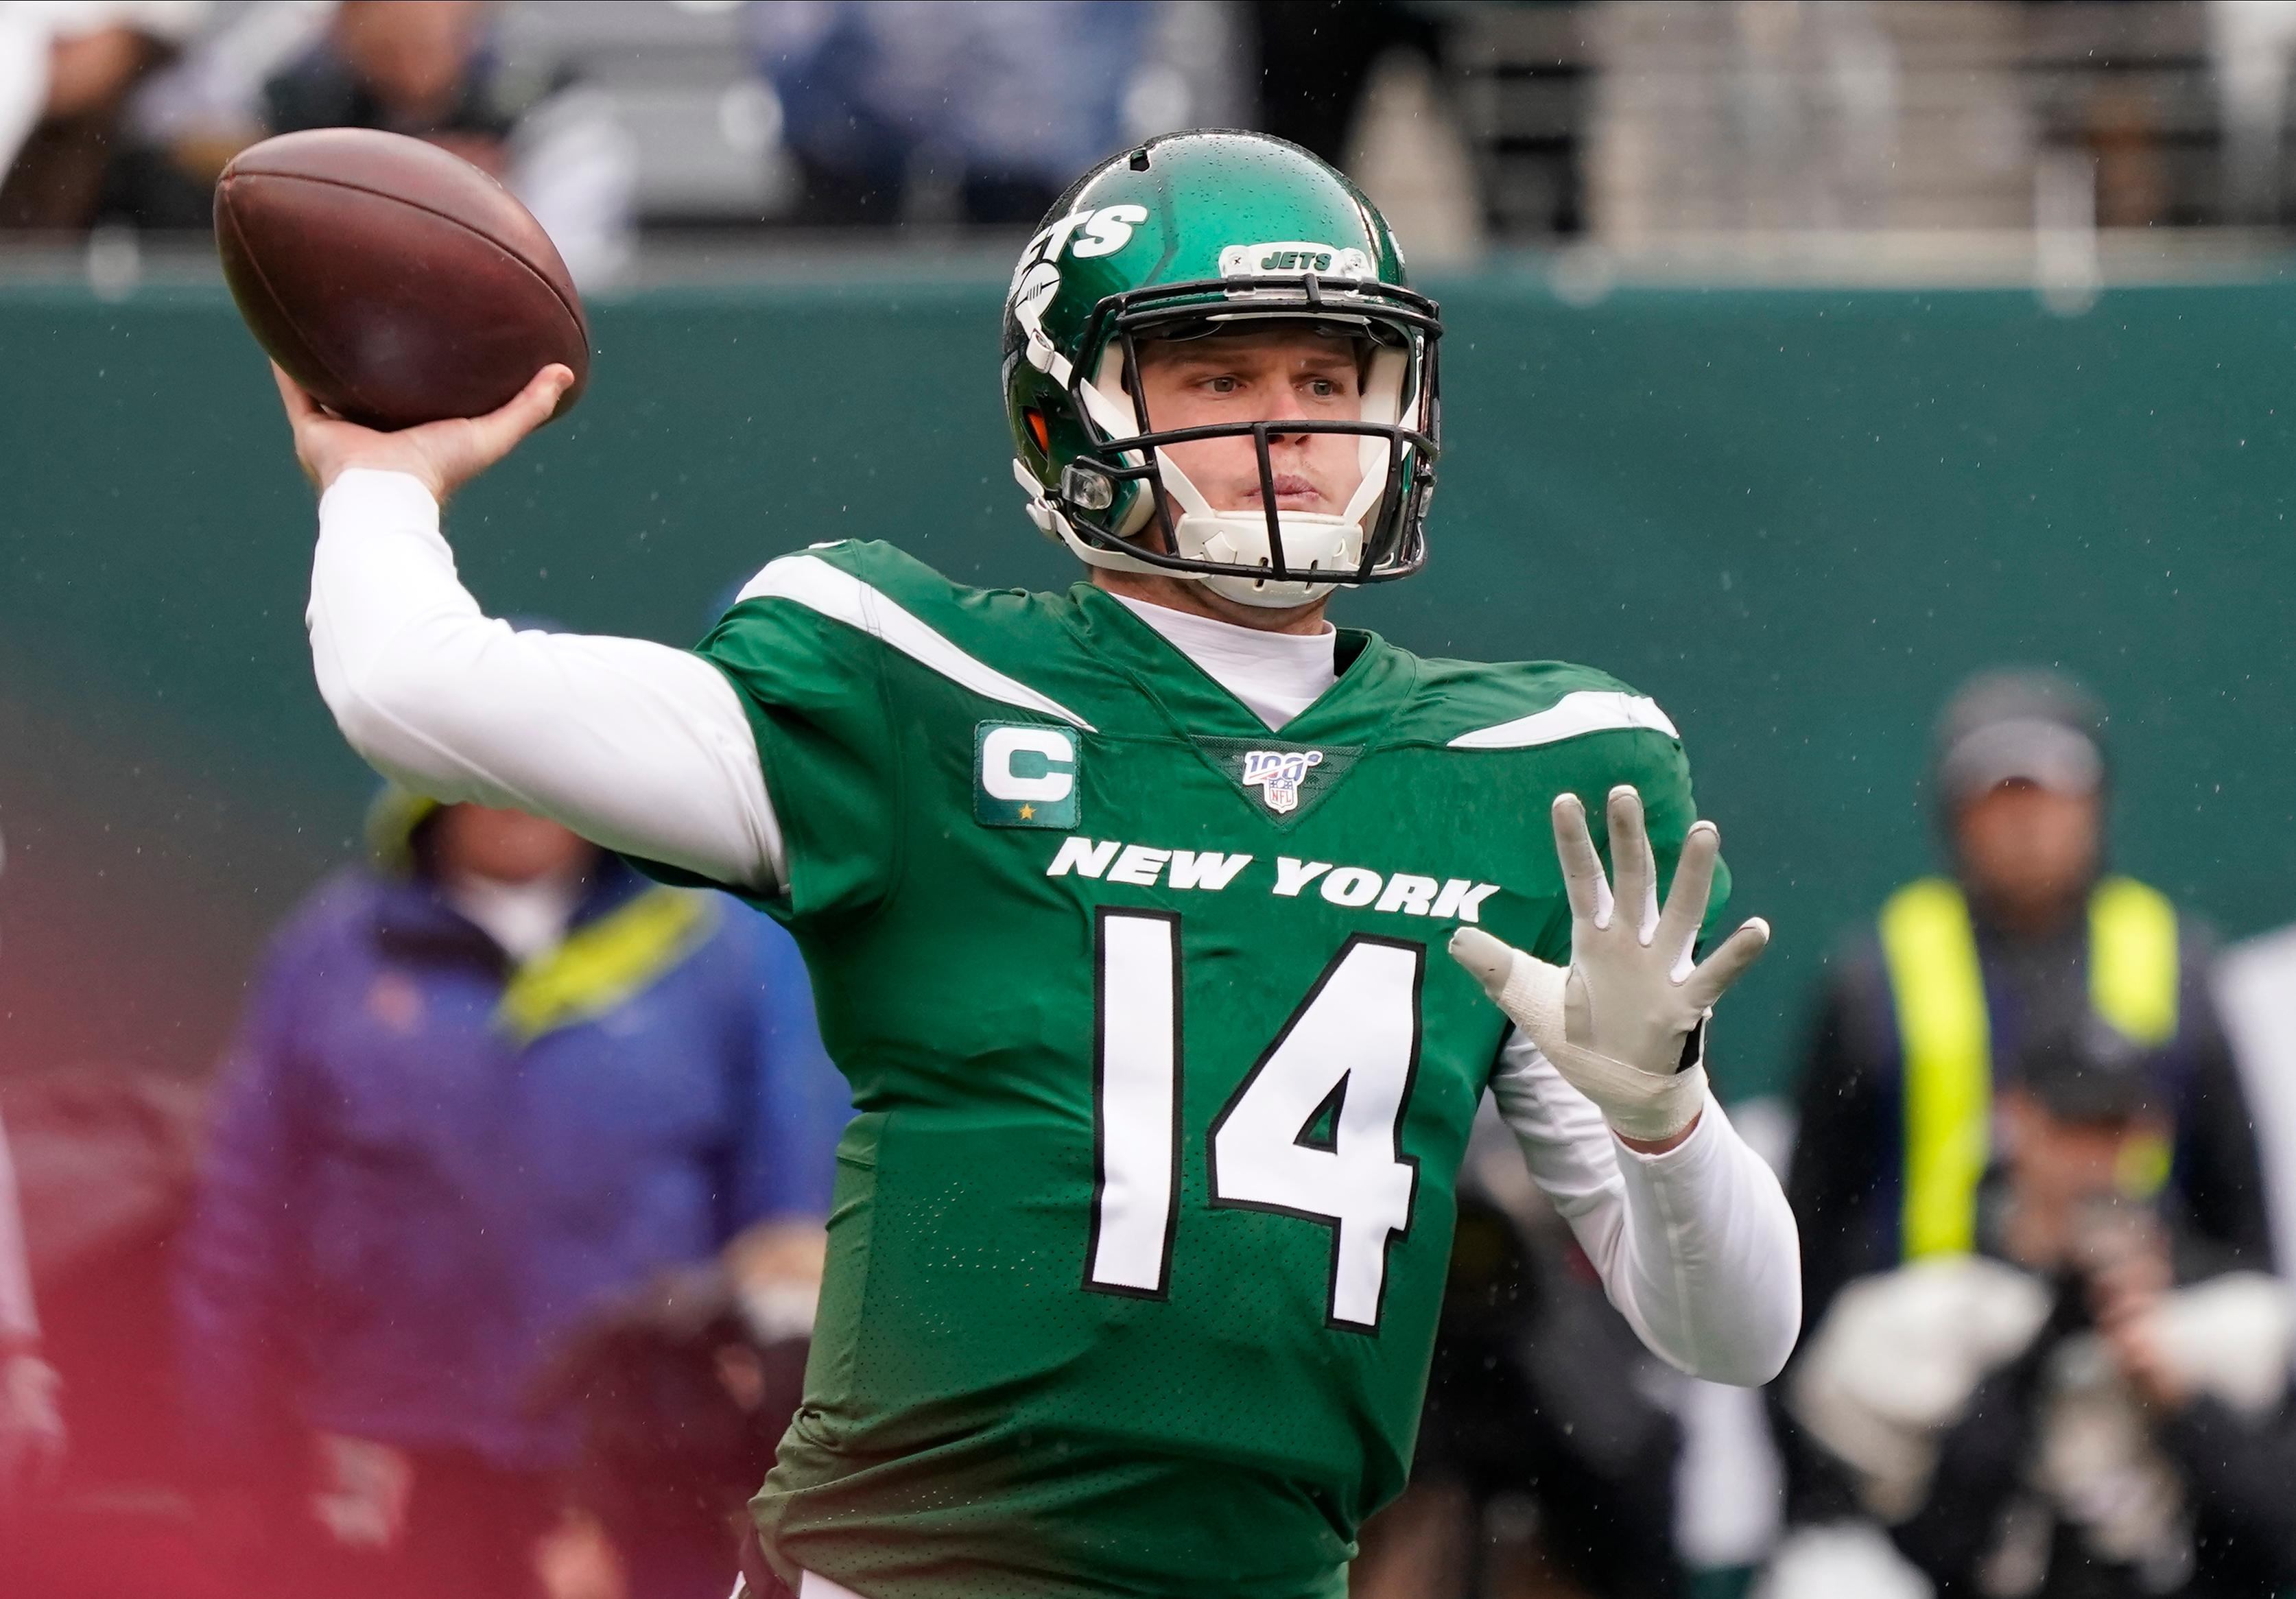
1028	811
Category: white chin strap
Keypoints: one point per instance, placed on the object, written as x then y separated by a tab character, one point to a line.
1313	540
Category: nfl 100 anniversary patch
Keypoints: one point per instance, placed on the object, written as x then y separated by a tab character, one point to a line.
1024	775
1277	774
1285	779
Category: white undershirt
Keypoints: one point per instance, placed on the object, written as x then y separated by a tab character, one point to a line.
1275	675
646	749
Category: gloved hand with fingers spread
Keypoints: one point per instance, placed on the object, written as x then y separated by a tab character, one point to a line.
1623	1024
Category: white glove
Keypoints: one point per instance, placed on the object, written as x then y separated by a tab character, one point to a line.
31	1425
1621	1024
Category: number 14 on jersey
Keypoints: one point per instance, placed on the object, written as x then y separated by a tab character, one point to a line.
1313	1131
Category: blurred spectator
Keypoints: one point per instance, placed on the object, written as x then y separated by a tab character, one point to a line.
67	68
1003	101
1315	58
2051	1416
1366	84
105	1171
133	107
191	115
1546	1459
31	1426
425	68
1926	1013
683	1394
2252	44
485	1088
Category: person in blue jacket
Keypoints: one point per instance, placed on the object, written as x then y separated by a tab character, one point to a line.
486	1086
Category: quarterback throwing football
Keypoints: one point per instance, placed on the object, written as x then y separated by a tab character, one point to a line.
1128	910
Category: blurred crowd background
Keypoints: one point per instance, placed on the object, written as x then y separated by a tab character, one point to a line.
1475	125
408	1200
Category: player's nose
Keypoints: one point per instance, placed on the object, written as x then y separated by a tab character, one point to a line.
1270	398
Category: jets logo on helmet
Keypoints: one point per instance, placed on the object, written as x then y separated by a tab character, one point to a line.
1171	239
1296	255
1084	234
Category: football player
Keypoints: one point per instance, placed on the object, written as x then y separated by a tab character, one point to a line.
1127	910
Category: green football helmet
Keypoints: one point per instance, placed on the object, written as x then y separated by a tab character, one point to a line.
1187	236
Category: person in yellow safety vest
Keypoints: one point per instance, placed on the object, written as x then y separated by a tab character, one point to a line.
1928	1004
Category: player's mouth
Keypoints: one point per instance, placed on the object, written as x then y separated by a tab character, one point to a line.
1293	492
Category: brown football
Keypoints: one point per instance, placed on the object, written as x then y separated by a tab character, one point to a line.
395	282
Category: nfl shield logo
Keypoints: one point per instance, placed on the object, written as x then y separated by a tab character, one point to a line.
1278	771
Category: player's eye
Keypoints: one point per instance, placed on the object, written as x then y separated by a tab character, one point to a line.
1323	389
1225	383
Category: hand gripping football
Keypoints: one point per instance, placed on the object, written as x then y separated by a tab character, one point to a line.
395	282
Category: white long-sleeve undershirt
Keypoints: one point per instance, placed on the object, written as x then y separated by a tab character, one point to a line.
640	747
1697	1246
646	749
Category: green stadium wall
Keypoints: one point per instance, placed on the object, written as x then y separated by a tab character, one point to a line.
1795	517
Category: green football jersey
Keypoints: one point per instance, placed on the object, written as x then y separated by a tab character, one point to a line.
1164	1076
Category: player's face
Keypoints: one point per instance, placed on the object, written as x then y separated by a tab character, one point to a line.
1284	373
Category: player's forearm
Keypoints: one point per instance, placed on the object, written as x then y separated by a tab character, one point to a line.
1696	1246
1712	1254
638	746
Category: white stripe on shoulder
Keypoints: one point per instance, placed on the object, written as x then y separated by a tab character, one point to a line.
840	597
1582	711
